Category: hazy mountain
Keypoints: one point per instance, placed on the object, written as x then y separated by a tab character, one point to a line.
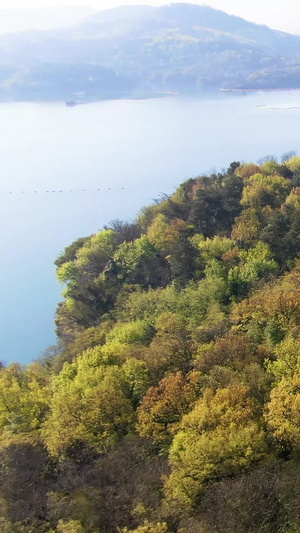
178	47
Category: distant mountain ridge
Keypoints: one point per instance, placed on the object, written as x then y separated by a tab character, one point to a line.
182	48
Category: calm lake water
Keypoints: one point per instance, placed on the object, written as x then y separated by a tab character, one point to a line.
132	151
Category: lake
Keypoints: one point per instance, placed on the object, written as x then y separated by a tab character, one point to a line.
105	161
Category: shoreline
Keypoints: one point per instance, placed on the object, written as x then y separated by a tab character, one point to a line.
259	90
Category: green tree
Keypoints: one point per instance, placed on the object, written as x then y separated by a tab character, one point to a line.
138	332
140	263
90	408
247	227
287	361
294	163
256	263
24	398
264	191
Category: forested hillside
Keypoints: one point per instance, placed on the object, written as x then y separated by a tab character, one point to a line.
143	51
171	403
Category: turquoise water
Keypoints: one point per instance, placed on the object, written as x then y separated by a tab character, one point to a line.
132	151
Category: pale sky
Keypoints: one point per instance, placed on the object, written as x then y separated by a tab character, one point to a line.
279	14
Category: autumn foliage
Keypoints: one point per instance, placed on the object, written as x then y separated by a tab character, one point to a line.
171	402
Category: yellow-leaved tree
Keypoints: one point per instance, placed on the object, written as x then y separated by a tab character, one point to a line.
221	437
283	414
89	407
24	399
148	527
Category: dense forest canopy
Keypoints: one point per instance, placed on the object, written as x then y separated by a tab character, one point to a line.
171	402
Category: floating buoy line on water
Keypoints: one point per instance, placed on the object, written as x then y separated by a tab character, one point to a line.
51	191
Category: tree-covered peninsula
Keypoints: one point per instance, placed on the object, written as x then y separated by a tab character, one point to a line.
171	403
